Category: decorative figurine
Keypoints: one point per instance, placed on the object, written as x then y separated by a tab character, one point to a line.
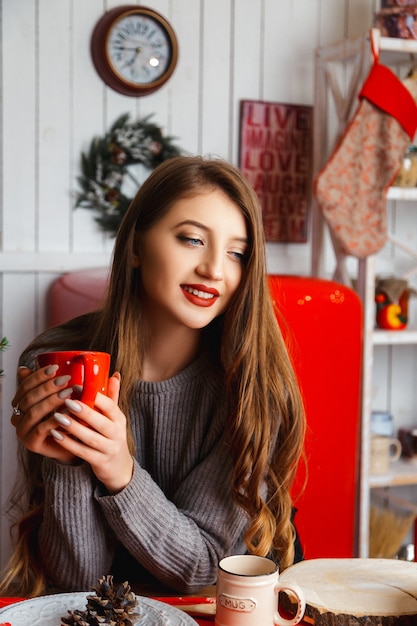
391	297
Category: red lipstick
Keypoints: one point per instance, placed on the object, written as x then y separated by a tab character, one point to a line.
200	295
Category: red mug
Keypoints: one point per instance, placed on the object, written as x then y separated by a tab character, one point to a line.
88	369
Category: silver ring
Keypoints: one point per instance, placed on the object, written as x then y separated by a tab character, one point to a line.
16	410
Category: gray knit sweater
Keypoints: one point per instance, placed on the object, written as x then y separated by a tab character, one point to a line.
176	517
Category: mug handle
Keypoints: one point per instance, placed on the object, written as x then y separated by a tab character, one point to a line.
397	449
91	370
293	590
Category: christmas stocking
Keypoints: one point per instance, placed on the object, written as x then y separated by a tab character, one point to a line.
351	188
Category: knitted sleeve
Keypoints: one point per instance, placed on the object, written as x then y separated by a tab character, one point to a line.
176	518
75	545
181	540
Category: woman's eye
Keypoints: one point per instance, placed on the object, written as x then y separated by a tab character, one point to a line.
239	256
192	241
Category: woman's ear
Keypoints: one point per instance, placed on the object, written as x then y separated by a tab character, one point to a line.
136	256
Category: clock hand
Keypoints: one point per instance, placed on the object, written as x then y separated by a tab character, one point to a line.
137	49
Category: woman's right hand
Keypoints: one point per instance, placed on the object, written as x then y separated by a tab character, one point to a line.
39	395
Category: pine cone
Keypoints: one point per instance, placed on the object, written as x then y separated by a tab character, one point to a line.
77	617
112	606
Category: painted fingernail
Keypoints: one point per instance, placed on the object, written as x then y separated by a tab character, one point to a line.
51	369
56	434
61	380
73	406
64	393
62	419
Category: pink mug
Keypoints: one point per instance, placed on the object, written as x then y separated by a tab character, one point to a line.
247	593
88	369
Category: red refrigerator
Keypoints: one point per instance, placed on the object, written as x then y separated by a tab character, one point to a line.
324	337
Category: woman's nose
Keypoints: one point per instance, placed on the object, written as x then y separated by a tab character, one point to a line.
211	267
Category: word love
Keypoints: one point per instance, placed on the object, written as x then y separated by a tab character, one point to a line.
275	157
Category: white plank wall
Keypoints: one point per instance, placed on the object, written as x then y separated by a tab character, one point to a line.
52	103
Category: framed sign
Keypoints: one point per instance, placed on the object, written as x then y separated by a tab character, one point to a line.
275	155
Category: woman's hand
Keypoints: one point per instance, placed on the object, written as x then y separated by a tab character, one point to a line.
37	398
98	437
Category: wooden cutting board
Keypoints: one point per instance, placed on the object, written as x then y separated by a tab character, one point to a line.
359	592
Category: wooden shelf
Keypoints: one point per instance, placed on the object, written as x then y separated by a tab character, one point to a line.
402	193
342	68
396	51
394	337
401	473
394	44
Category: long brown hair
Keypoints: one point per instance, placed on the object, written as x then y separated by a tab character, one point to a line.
265	420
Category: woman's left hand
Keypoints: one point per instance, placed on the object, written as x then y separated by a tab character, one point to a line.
98	437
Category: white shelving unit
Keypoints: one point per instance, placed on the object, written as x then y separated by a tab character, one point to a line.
340	72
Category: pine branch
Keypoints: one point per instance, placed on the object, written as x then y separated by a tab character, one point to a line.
105	166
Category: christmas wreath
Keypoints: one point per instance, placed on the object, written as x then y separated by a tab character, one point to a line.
117	163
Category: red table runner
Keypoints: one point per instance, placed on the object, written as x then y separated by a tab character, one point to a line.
202	621
206	621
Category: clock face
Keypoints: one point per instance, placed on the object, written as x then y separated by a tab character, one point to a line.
139	49
134	49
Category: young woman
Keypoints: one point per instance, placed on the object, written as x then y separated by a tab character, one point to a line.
191	455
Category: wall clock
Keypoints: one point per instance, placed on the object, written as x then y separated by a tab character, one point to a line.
134	50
